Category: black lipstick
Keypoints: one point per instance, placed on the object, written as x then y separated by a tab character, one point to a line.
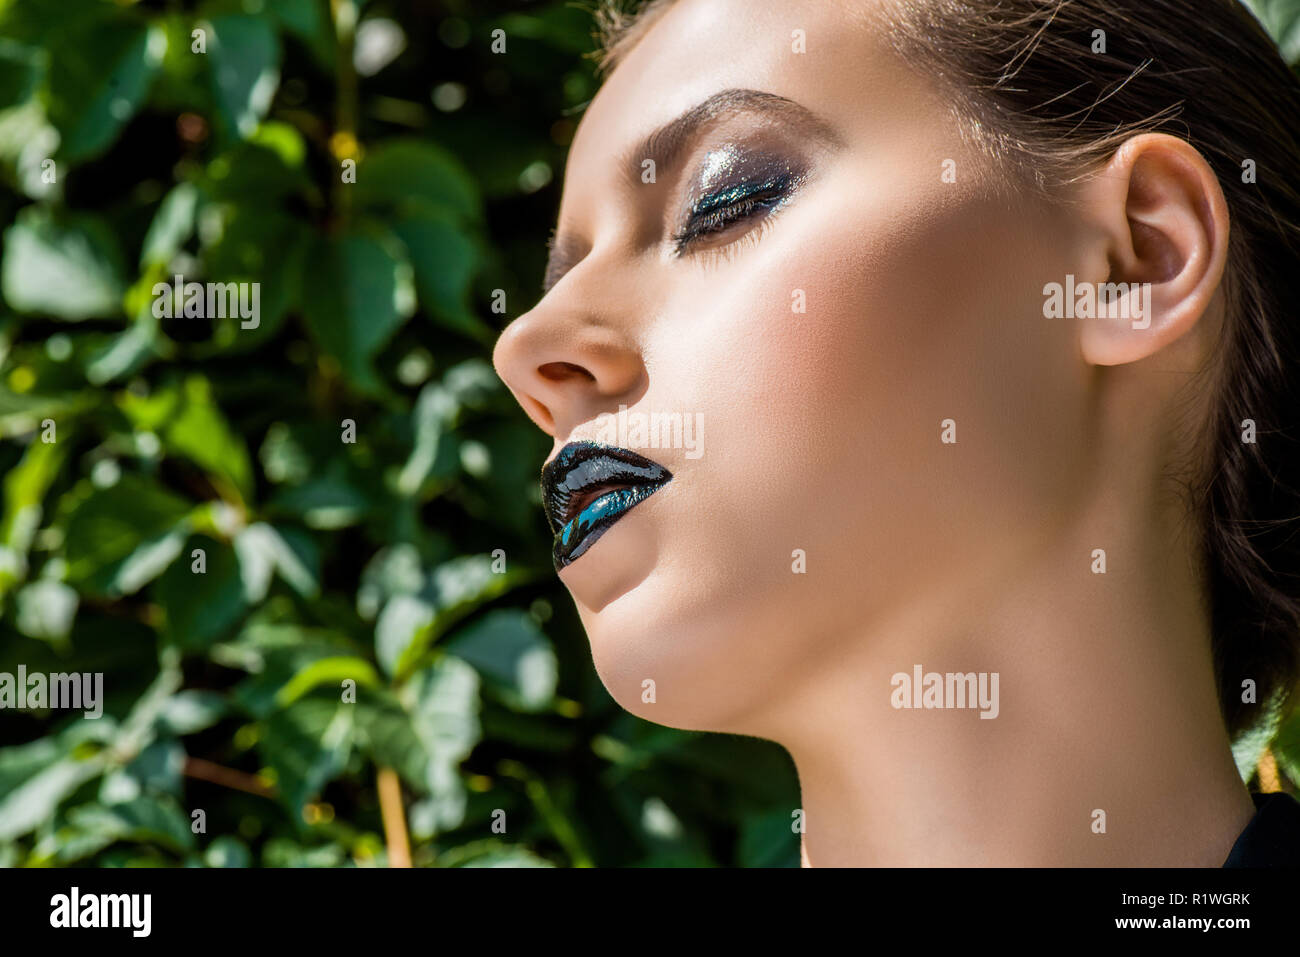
588	487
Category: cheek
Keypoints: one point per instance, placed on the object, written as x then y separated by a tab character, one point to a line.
824	426
822	433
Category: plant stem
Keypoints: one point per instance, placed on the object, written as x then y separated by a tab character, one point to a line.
1269	780
343	144
394	817
226	777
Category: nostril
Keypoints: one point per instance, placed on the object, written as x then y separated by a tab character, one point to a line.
562	371
538	413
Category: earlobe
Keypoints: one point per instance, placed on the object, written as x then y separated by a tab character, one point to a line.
1165	223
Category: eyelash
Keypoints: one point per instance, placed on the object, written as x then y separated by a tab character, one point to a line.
769	198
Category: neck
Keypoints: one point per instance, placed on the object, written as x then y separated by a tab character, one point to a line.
1107	748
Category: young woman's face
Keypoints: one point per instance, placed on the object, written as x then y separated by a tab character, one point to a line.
815	283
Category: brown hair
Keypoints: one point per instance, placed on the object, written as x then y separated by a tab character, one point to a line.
1029	89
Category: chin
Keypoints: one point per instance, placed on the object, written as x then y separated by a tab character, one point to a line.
625	601
674	657
650	619
660	672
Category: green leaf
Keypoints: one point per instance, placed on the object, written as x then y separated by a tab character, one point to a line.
227	851
472	383
767	840
386	735
358	291
283	140
435	410
27	144
1286	747
127	352
453	590
147	561
193	427
276	667
46	610
189	711
561	27
445	708
444	260
155	770
262	551
282	852
245	56
140	727
413	175
21	69
336	497
202	607
35	800
1281	18
200	433
148	818
309	21
104	528
508	857
248	177
283	456
25	487
464	583
507	455
23	761
427	735
91	97
403	622
510	651
327	671
65	266
393	570
172	226
307	744
23	413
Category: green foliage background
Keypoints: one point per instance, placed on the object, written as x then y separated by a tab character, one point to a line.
324	560
127	158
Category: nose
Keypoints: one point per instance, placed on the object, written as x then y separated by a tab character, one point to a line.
574	355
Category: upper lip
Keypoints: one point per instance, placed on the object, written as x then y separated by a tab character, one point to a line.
581	470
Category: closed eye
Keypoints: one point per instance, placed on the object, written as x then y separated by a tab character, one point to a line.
712	219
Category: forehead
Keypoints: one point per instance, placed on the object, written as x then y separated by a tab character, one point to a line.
702	46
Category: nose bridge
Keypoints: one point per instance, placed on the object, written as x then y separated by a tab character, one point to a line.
576	353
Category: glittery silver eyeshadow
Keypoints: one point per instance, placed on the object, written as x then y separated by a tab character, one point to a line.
733	184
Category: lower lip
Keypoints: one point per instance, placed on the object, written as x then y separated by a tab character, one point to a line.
596	518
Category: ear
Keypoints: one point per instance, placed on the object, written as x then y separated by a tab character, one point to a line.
1164	222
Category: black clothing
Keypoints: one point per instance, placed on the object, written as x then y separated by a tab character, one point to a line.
1272	838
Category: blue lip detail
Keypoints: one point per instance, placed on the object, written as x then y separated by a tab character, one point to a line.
609	480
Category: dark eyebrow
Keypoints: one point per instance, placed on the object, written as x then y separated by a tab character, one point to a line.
666	143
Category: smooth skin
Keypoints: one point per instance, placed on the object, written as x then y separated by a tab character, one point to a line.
823	433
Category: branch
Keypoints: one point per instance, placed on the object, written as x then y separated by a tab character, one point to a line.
394	817
343	144
226	777
1269	779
